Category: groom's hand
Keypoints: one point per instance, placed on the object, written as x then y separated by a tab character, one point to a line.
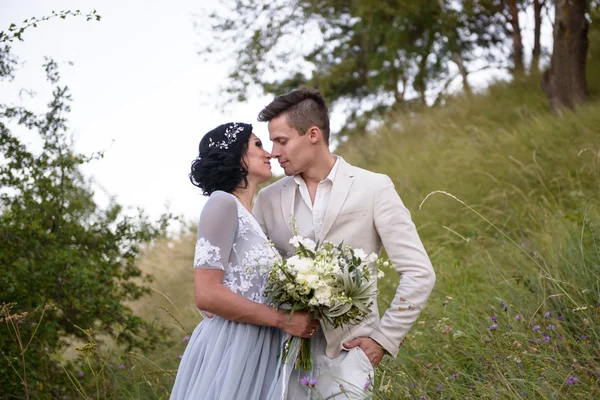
371	348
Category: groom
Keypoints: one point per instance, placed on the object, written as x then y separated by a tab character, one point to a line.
329	199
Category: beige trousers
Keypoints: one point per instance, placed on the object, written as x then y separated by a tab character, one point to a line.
346	377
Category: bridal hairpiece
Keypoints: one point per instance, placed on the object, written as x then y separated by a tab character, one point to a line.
230	137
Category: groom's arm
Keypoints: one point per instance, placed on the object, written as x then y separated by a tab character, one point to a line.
257	211
409	258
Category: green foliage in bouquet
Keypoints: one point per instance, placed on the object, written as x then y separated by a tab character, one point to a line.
335	284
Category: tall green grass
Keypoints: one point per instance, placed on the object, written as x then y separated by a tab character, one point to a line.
512	228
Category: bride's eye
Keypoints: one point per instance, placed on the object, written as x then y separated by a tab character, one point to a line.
258	144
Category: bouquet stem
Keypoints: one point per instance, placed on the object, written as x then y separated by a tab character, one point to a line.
297	351
304	360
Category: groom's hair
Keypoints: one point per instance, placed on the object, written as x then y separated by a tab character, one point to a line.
304	107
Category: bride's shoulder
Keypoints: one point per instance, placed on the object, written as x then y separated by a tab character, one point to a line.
222	201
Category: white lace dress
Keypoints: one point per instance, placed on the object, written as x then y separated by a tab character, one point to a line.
225	359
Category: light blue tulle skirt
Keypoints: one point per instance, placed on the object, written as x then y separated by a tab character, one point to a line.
228	360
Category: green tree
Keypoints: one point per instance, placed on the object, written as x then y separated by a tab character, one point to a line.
66	264
368	55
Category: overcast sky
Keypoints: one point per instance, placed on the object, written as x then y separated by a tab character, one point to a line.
140	92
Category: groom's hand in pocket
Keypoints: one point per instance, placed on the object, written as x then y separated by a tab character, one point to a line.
371	348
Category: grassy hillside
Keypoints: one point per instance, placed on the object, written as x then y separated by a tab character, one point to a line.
517	232
506	200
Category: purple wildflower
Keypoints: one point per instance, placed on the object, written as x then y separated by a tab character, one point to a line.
179	357
308	381
518	317
572	380
493	327
121	366
550	327
186	339
454	376
548	314
546	338
560	318
440	388
493	318
536	328
80	373
367	384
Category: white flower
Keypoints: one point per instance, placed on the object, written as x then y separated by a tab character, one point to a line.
360	253
295	240
308	244
309	280
372	258
280	275
380	274
299	264
323	295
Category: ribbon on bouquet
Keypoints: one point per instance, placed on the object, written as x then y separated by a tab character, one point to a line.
290	347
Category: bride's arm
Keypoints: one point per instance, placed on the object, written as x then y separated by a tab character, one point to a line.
215	298
217	231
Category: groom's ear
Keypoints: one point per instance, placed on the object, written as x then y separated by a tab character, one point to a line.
314	134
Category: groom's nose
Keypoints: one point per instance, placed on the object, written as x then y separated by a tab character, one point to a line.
275	152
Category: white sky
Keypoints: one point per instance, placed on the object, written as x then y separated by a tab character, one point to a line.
140	92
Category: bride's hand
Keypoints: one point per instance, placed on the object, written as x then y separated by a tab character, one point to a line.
301	324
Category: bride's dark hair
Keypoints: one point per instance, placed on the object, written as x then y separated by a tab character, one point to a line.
220	165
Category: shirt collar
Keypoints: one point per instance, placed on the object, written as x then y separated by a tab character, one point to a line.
298	179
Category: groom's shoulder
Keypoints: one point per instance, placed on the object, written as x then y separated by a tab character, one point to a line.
275	187
370	178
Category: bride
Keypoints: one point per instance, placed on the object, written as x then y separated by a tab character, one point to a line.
233	355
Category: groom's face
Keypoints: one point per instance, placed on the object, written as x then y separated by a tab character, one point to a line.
294	152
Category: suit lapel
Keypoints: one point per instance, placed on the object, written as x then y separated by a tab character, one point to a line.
340	190
287	203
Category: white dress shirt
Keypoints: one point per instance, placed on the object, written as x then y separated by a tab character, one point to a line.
309	216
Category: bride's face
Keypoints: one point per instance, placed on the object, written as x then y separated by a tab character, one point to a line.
294	152
257	160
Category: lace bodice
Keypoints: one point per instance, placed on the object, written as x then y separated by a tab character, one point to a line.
229	238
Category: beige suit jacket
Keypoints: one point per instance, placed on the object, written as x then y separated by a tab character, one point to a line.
365	212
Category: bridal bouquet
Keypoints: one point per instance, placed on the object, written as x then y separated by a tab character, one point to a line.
335	284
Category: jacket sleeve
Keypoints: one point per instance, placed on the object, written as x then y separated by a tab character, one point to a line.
409	258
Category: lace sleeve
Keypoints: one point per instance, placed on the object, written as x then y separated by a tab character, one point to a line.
216	231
